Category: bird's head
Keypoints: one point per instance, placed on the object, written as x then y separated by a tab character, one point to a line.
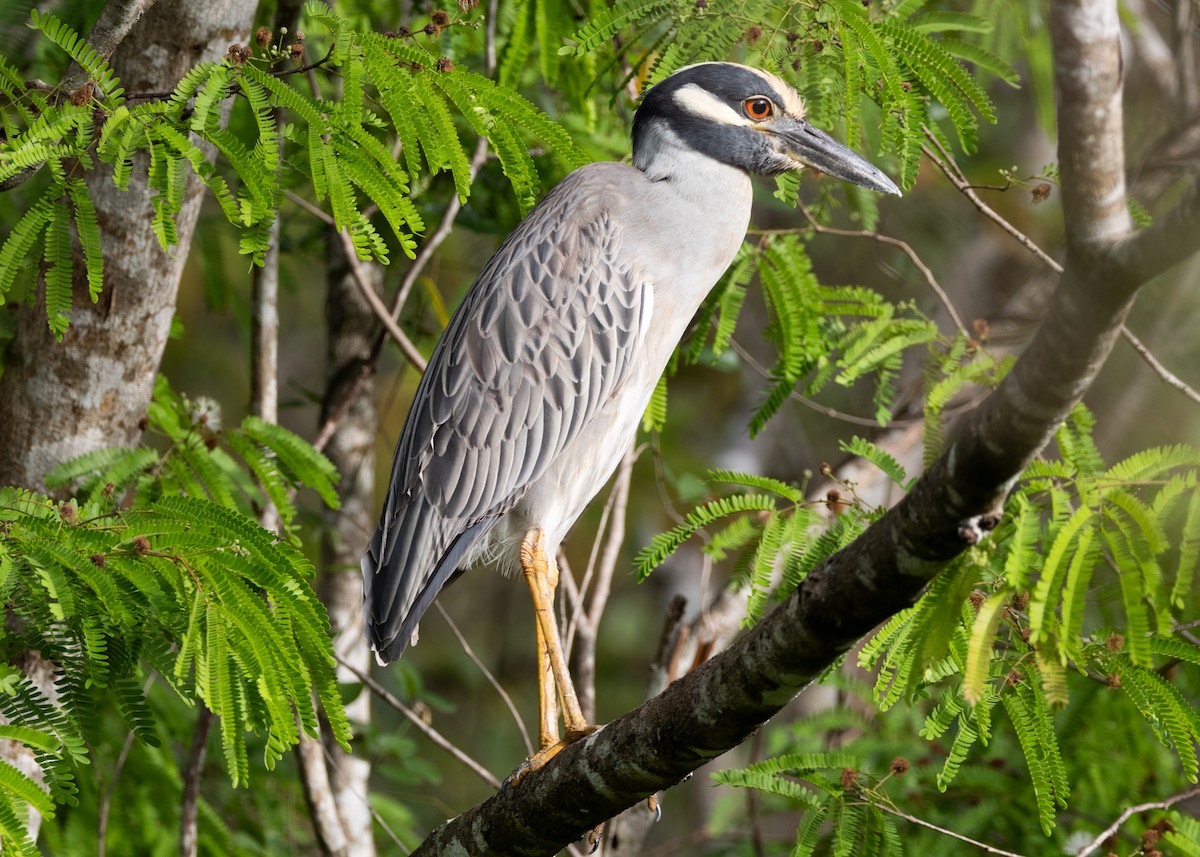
746	118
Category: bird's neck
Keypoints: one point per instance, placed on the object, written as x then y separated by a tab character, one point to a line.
696	177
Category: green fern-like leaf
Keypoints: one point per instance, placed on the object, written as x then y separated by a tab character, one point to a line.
57	258
21	240
89	59
880	458
306	466
665	544
600	28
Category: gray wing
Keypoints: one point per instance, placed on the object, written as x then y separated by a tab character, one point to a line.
543	338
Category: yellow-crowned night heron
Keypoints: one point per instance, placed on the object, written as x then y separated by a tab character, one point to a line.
538	384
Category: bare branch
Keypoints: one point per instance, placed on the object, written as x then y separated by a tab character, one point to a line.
950	169
989	849
499	688
1086	35
1164	244
318	794
1112	829
1166	374
381	312
904	247
432	734
1143	256
188	838
115	21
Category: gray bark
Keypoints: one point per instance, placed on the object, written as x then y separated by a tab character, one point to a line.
352	331
60	400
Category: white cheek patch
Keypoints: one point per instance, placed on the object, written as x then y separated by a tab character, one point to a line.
700	102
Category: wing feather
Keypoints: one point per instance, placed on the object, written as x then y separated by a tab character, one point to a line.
543	338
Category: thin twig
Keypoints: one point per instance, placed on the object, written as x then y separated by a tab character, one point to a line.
901	422
106	799
951	170
945	832
434	241
1112	829
310	208
379	819
586	617
904	247
1163	372
381	312
432	734
188	839
466	647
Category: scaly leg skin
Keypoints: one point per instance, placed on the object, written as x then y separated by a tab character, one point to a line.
541	575
547	695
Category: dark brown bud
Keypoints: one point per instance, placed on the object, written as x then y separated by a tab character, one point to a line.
849	778
297	51
109	489
83	95
1115	642
98	559
1014	678
818	46
68	513
141	545
210	442
1114	681
431	29
701	4
1041	192
899	766
143	423
263	36
753	35
440	17
404	32
444	64
981	327
976	598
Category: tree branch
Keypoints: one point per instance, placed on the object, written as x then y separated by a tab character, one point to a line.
723	701
1112	829
188	838
952	506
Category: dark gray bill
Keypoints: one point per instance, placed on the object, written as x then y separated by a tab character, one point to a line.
817	149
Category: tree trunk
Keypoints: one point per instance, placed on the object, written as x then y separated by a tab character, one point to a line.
62	399
351	328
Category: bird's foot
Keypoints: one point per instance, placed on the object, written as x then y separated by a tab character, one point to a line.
539	759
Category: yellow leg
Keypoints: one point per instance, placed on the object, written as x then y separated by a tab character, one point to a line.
541	575
547	695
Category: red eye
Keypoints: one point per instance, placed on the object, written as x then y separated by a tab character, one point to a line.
758	108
